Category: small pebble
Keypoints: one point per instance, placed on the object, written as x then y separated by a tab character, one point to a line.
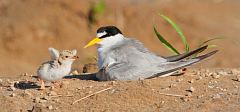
191	89
56	100
90	87
172	85
189	94
90	92
222	89
42	101
52	93
113	83
184	99
208	74
46	97
12	88
162	102
235	86
236	72
198	73
230	72
200	96
210	86
13	94
37	108
50	107
238	78
215	76
113	91
199	78
25	74
221	73
179	80
37	99
216	96
191	81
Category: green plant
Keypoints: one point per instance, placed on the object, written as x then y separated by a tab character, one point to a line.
181	35
96	9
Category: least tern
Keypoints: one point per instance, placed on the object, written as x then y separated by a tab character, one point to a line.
122	58
58	67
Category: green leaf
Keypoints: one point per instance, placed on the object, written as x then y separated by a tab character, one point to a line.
178	30
165	42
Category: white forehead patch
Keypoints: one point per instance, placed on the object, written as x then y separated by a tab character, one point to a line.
101	34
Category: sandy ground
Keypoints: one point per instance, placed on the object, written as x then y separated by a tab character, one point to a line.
29	27
199	90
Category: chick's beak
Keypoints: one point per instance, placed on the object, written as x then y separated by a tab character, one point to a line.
92	42
75	57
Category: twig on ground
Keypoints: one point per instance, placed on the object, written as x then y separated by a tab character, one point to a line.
91	95
175	95
61	96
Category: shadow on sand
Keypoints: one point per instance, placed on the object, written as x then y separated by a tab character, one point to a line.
85	76
26	85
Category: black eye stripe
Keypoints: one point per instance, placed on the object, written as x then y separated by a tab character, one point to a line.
106	35
110	31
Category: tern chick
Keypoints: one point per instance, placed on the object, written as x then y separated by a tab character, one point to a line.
58	67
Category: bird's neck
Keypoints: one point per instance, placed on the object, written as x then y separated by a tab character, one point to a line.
64	63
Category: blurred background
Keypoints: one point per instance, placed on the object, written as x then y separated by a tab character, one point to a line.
29	27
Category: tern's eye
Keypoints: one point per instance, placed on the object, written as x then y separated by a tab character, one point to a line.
66	56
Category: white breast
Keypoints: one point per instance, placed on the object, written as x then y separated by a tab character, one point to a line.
49	73
104	59
106	44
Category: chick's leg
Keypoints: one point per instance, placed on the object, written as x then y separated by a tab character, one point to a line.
42	85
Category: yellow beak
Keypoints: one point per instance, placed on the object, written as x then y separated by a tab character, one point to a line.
92	42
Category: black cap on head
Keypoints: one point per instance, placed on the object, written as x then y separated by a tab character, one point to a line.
110	30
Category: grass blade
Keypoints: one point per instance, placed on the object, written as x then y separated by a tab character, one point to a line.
165	42
178	30
209	46
209	40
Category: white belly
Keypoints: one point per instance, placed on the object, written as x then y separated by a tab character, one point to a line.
52	74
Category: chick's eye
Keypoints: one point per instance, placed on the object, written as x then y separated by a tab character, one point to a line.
66	56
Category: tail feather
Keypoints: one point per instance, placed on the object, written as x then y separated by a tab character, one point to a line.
171	67
184	55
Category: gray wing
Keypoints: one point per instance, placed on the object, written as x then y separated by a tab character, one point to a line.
125	71
134	53
185	55
171	67
134	61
